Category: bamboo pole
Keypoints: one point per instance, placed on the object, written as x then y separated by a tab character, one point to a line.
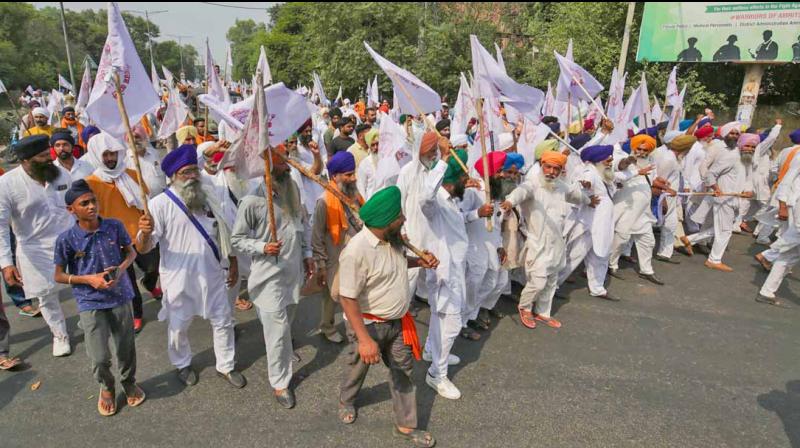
129	132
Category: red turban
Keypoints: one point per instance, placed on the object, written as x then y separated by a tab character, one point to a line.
704	132
494	160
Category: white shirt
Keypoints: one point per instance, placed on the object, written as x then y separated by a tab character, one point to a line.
153	177
483	245
365	176
632	213
80	168
37	214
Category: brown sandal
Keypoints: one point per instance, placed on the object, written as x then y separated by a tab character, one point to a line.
7	363
347	414
243	305
138	397
112	409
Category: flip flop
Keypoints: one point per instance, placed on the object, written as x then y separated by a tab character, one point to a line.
243	305
421	439
137	399
549	321
7	363
770	301
470	334
112	410
347	414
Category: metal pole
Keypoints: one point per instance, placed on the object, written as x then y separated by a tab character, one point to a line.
149	38
626	38
66	44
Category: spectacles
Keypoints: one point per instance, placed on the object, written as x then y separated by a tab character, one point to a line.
188	171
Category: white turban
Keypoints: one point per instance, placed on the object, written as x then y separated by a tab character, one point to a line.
130	190
504	141
671	135
40	111
728	127
458	140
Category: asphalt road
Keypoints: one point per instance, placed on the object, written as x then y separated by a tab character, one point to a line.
695	363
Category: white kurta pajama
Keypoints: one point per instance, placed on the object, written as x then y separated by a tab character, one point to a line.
787	247
152	175
192	281
37	215
447	284
633	220
716	215
273	280
592	233
669	169
544	210
365	176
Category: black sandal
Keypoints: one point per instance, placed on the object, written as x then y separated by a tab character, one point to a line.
470	334
478	324
347	414
421	439
770	301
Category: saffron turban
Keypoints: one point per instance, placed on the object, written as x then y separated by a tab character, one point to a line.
513	159
341	162
597	153
185	132
728	127
554	158
547	145
495	160
748	140
454	170
178	158
703	132
382	208
640	140
682	143
76	190
429	139
794	136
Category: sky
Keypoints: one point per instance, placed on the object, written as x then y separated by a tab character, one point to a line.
196	19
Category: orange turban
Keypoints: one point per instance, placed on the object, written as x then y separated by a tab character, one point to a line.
640	140
554	158
430	139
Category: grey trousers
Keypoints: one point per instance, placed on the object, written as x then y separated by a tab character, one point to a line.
115	323
5	329
278	342
397	357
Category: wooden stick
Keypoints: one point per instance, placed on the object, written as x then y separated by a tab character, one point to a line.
590	97
131	146
485	161
267	167
348	202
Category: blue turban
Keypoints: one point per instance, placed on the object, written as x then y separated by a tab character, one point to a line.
31	146
794	136
555	127
579	140
703	122
597	153
87	133
62	135
341	162
178	158
514	159
685	124
626	147
76	190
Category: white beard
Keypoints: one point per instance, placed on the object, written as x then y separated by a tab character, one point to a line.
192	194
643	162
605	172
547	184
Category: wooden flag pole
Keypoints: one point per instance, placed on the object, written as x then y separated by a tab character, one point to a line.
131	146
485	161
590	97
267	166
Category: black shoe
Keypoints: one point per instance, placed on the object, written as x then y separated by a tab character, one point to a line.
188	376
235	378
666	260
285	398
652	279
769	301
615	273
608	297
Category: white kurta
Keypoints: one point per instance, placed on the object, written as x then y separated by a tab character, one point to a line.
37	215
153	177
632	213
310	191
365	176
482	256
80	168
192	279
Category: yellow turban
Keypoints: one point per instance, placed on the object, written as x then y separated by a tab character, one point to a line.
184	132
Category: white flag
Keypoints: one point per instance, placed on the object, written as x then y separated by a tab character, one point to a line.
214	86
464	109
634	107
573	76
119	55
677	111
64	83
531	135
228	65
263	67
595	110
55	103
339	95
500	62
245	155
409	90
174	115
154	78
30	90
549	106
86	89
168	76
645	97
656	114
319	91
616	92
672	96
393	151
3	87
373	94
562	85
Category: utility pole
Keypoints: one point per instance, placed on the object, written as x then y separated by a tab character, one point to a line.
147	24
626	38
66	44
180	46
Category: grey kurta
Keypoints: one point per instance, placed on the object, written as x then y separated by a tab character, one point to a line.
273	284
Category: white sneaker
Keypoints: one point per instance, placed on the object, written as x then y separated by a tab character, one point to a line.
443	387
61	346
452	360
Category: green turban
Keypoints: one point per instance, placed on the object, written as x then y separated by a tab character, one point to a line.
454	170
382	208
547	145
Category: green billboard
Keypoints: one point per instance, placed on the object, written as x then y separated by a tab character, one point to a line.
720	32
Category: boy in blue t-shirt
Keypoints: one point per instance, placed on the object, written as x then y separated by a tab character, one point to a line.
93	257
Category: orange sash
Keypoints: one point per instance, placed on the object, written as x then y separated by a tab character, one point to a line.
785	167
409	329
336	219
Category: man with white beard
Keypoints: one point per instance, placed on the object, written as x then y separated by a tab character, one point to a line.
196	264
590	238
668	160
692	178
723	172
747	144
762	164
632	214
543	199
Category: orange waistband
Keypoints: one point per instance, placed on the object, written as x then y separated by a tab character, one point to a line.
409	329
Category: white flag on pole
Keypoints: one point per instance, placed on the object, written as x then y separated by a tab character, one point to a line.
119	54
672	96
645	98
374	95
393	151
656	114
464	109
168	76
86	89
677	111
245	155
174	115
531	135
64	83
572	77
616	92
228	65
215	88
30	90
549	107
499	54
319	91
339	95
562	85
263	67
410	90
155	79
55	103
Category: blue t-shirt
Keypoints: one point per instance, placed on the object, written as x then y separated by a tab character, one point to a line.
85	253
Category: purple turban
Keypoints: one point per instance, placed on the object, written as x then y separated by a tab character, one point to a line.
178	158
597	153
749	140
794	136
88	132
341	162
